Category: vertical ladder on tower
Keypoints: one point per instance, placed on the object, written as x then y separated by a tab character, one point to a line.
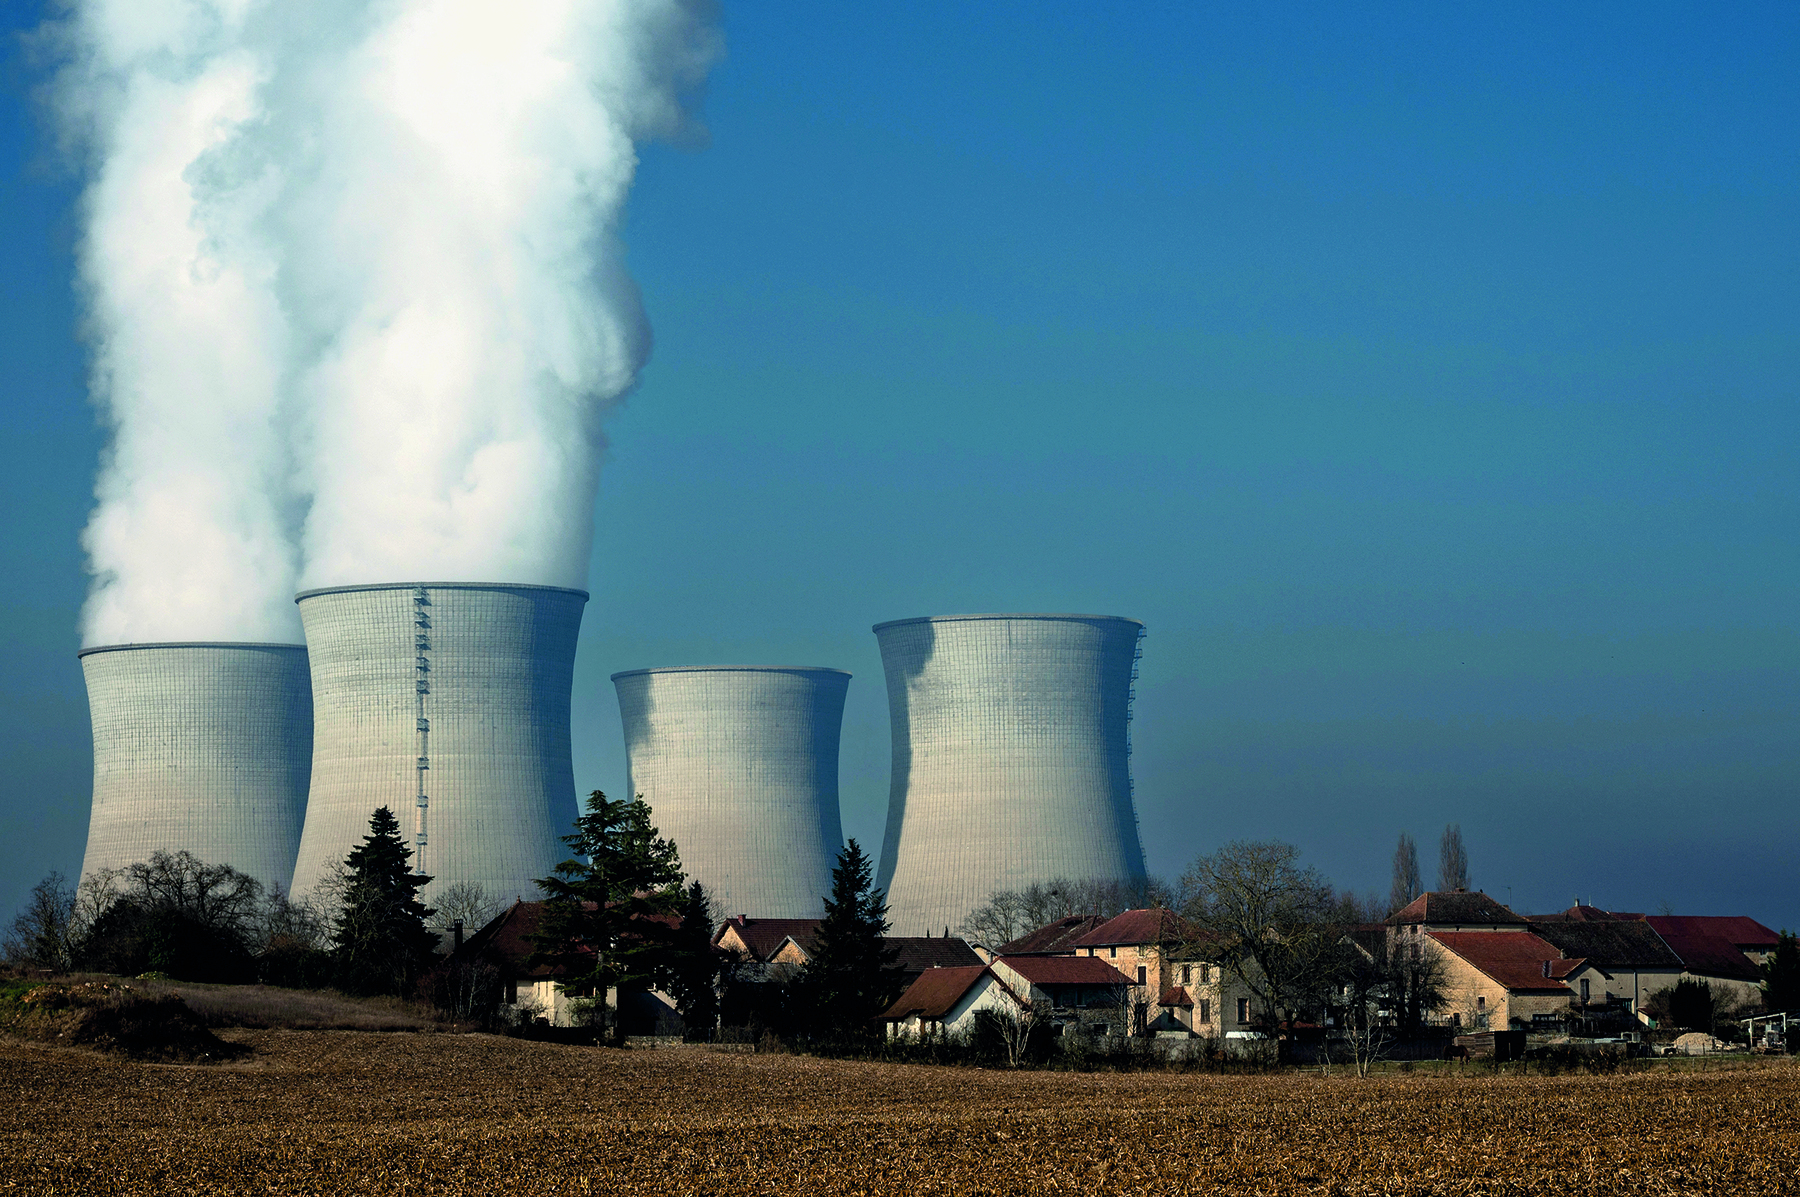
422	690
1137	657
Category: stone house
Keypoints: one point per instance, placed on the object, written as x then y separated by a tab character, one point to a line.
1622	961
1069	992
1502	980
1725	951
942	1003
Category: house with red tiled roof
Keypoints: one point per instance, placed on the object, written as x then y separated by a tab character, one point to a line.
1725	951
1068	991
1177	986
534	991
1052	939
1502	979
755	941
942	1003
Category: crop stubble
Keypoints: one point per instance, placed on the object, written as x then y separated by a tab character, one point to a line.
348	1112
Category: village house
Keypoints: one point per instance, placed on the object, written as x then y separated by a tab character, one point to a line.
1621	962
1725	951
1069	993
915	953
1502	980
533	992
942	1003
1056	938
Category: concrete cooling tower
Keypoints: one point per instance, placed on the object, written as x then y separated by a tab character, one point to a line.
448	703
1012	749
739	764
202	748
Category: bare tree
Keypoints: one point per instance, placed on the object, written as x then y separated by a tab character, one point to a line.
467	902
1407	884
1271	923
1453	860
1008	914
45	933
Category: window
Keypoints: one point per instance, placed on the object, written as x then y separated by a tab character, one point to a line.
1205	1011
512	993
1481	1001
1243	1009
1140	974
1113	952
1185	973
1584	991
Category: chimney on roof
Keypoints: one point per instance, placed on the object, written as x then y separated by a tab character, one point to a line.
456	930
1546	968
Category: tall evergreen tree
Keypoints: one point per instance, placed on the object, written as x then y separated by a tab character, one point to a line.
1781	976
610	920
1453	860
1407	885
694	969
850	978
381	943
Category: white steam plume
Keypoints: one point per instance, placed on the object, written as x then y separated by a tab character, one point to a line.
398	222
191	538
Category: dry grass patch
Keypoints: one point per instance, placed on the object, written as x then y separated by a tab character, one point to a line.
337	1112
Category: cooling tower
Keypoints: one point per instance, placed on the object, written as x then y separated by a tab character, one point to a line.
739	764
448	703
199	747
1012	752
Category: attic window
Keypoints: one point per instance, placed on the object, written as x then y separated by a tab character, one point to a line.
1113	952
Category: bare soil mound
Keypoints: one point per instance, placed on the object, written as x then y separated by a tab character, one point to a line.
110	1016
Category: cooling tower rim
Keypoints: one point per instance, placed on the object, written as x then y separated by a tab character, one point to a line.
322	590
119	648
732	669
1070	618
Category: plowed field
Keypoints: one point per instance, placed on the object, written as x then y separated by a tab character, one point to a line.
352	1112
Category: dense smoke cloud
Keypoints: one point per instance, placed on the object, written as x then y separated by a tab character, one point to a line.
356	289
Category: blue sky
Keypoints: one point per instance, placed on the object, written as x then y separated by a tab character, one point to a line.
1423	377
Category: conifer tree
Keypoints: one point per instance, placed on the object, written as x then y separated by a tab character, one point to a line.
1781	977
381	943
850	978
1406	885
694	969
609	920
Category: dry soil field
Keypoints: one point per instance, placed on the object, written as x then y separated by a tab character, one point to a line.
355	1112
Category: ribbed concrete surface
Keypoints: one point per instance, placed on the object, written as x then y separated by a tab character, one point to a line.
199	747
740	766
1011	759
488	668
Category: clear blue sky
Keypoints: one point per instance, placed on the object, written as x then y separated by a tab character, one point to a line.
1424	377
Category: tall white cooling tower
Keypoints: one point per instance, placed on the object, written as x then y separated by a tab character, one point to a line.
1012	758
447	703
199	747
739	765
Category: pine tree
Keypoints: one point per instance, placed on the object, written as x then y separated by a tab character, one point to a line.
609	921
381	943
1453	860
1406	885
850	979
1781	976
694	971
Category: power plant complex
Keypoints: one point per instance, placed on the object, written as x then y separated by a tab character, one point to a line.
739	765
448	703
